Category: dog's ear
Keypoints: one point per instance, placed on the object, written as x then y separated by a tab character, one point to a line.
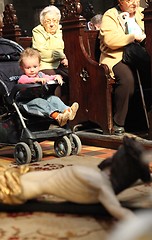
137	153
108	162
133	148
105	163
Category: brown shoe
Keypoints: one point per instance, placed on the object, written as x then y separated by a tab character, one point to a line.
73	110
62	118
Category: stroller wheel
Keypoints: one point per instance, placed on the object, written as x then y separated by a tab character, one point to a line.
76	144
37	152
62	147
22	153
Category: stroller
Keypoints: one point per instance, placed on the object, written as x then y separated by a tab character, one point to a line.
17	127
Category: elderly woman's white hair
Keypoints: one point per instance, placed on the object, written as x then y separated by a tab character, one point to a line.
52	10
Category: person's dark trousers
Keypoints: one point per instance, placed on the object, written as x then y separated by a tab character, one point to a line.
123	91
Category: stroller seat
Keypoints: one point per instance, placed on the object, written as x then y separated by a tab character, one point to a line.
19	128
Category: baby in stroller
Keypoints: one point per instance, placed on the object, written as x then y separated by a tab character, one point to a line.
28	107
52	106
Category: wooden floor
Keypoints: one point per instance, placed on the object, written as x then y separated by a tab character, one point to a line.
94	143
6	153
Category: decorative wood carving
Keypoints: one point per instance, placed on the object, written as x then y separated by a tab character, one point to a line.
10	29
84	75
71	9
75	9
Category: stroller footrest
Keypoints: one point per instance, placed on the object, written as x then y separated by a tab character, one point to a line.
50	134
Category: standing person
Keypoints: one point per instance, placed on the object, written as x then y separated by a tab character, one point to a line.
52	106
47	39
120	26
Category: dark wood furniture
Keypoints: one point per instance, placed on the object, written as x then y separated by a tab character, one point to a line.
10	29
25	41
90	84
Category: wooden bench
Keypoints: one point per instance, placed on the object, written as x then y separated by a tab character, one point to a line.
90	84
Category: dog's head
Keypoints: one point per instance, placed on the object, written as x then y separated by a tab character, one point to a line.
127	165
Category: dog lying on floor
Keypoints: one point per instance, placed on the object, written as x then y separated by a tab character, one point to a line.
127	165
82	184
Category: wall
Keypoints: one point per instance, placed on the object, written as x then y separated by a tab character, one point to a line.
102	6
26	12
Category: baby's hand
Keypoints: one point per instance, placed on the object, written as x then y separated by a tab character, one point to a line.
59	79
40	80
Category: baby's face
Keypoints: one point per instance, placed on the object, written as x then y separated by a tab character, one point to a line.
31	66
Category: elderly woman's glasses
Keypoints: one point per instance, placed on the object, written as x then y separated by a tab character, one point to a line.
132	1
49	21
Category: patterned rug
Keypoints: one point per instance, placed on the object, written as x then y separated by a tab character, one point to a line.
41	220
49	226
37	219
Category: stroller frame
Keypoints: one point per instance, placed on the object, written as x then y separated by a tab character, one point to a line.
20	134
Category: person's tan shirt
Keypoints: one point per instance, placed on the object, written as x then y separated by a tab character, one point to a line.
113	38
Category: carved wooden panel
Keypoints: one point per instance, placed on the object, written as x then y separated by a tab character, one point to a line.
10	29
71	9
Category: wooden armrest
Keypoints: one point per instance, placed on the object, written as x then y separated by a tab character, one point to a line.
107	73
25	41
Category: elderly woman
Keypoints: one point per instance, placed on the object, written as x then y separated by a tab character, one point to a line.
120	26
47	39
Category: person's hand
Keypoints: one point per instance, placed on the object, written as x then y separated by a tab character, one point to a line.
58	55
140	38
40	80
59	79
64	62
